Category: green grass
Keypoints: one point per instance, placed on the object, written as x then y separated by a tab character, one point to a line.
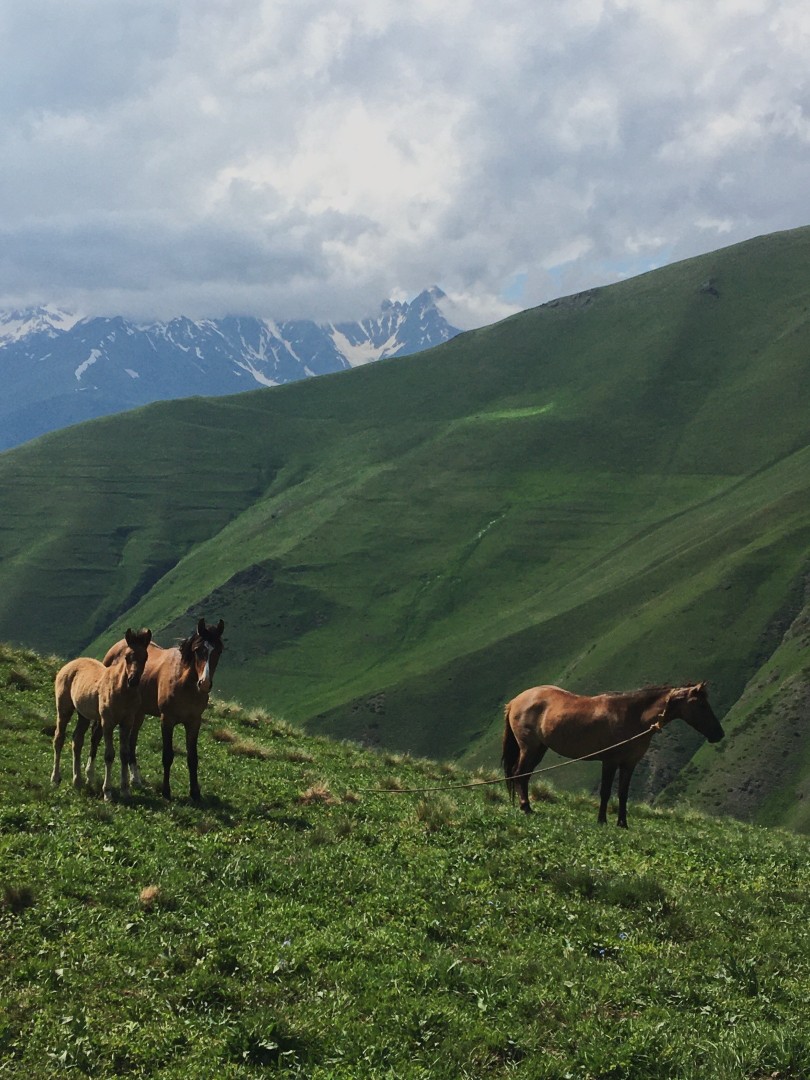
599	495
310	919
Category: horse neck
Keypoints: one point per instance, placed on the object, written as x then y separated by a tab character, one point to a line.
116	676
186	676
655	708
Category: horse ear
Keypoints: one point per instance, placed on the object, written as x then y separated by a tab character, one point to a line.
201	627
129	637
220	628
146	634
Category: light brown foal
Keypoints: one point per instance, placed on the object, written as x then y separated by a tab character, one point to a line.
106	696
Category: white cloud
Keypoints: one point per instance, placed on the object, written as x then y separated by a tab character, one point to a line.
303	158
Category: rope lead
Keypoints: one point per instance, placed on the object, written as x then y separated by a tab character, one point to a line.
651	730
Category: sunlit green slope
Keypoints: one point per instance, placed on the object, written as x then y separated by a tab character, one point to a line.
311	919
603	492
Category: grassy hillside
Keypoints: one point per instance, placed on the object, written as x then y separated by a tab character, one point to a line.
603	492
310	919
763	772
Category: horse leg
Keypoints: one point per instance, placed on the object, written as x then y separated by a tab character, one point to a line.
95	739
124	736
82	724
167	731
64	711
625	773
527	762
134	771
109	758
192	732
608	773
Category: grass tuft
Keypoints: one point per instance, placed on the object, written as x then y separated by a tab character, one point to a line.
319	793
20	679
297	756
436	813
250	749
17	898
542	792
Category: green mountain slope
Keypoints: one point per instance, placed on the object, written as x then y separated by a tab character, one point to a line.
311	919
603	492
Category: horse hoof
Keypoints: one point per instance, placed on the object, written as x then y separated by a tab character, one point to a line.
56	780
108	796
526	808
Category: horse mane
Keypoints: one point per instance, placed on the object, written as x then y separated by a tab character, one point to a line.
645	694
186	646
638	700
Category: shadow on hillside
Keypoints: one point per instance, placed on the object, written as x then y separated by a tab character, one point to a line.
150	800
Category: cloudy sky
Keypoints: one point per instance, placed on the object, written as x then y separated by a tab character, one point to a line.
298	158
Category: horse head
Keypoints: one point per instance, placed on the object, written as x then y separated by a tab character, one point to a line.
202	652
135	656
691	703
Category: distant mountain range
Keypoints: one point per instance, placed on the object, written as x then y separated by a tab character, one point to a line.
57	369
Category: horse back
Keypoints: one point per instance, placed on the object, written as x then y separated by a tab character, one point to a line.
570	724
77	683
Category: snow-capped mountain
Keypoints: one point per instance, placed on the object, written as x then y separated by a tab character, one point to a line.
15	325
57	369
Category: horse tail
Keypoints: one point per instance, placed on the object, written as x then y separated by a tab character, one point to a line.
511	752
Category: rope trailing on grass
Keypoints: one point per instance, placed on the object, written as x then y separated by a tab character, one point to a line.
651	730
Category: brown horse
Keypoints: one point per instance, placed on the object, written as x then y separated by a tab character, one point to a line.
105	696
548	718
175	686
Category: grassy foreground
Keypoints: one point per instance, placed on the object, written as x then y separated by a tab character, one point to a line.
308	920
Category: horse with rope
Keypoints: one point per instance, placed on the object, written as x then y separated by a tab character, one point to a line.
615	729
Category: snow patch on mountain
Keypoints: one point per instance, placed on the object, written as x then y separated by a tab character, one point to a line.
15	325
95	354
356	353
